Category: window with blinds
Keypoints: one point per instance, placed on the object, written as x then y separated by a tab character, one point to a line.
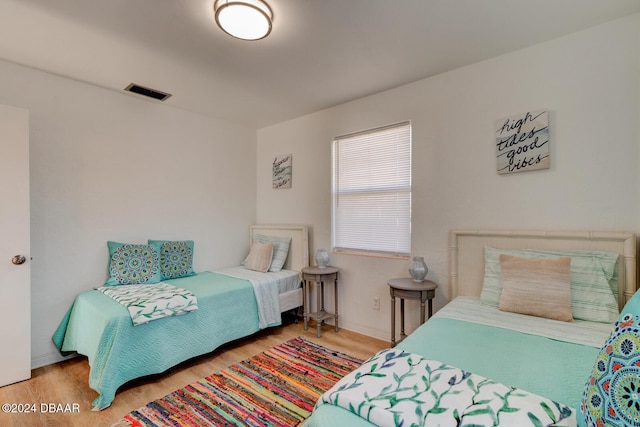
372	191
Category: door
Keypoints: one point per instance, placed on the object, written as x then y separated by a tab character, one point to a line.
15	276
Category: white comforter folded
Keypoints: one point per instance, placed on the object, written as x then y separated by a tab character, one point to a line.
397	388
152	301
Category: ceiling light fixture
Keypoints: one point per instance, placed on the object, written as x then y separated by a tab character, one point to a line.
244	19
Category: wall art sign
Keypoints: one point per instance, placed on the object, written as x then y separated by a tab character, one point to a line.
522	142
282	171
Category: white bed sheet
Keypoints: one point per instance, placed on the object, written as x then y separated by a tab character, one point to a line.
285	280
267	287
470	309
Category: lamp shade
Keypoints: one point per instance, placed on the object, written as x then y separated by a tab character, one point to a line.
244	19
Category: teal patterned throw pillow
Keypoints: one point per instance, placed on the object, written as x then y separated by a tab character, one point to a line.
611	396
131	264
176	258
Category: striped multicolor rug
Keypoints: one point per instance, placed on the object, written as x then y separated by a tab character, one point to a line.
276	388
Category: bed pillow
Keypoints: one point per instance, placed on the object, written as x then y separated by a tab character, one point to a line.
176	258
537	287
131	264
594	283
280	250
611	394
260	256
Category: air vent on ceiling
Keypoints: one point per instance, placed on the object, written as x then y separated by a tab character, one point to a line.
145	91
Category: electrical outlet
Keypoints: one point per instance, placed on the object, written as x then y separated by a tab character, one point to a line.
376	303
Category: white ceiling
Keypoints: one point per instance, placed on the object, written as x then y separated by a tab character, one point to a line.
320	53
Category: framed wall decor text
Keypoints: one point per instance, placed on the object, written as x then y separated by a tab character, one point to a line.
282	171
522	142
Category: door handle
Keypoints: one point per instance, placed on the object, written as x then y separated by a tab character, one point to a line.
18	259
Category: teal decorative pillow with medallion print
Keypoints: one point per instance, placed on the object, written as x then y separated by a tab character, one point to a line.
611	396
131	264
176	258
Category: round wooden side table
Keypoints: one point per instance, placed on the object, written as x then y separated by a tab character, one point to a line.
319	276
407	288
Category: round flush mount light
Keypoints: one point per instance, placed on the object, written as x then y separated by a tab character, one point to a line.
244	19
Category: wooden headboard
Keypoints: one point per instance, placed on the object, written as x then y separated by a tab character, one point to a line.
298	256
466	254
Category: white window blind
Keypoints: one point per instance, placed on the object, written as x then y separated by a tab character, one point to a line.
372	191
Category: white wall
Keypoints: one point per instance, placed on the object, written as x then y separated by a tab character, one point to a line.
589	82
111	166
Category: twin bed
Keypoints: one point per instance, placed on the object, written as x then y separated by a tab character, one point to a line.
475	364
101	328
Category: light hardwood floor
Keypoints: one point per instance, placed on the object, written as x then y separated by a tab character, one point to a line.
67	382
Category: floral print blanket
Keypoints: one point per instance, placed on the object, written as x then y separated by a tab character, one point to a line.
150	302
397	388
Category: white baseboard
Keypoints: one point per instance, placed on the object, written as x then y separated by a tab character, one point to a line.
49	359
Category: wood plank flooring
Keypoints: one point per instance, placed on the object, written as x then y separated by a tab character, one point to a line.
66	383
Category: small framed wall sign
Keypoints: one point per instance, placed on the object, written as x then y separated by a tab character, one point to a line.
282	171
522	142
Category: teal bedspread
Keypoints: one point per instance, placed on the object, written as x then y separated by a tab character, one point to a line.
529	362
101	329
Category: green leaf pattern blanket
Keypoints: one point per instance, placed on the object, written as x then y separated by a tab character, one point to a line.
397	388
152	301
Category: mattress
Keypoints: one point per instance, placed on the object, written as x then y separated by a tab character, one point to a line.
499	347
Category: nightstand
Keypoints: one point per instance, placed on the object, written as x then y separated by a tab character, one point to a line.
407	288
319	276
